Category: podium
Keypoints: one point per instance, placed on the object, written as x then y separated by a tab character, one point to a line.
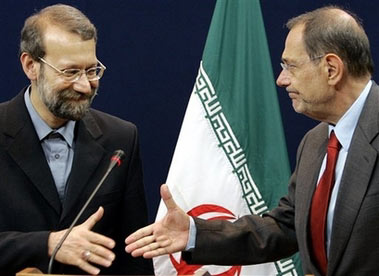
31	271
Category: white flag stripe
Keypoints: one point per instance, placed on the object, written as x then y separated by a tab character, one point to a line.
201	173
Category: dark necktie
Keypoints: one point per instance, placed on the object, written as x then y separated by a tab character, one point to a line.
320	203
54	135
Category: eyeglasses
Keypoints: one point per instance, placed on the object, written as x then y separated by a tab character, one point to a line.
289	67
73	74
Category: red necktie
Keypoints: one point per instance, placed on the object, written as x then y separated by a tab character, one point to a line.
320	203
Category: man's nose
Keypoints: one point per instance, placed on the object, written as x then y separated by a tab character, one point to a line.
283	79
83	85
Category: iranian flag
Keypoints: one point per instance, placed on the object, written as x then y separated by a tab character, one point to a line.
230	159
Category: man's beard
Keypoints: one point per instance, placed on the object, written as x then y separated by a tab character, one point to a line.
65	104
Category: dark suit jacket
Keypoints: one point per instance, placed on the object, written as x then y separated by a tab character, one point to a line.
29	203
354	248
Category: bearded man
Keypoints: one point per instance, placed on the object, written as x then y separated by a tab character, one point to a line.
54	149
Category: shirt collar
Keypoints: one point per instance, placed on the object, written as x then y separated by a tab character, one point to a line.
42	129
344	129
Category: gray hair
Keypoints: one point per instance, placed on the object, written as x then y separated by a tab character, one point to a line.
326	31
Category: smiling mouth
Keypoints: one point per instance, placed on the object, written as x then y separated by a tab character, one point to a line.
71	99
77	97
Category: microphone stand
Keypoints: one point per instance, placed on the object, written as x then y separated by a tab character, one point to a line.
116	159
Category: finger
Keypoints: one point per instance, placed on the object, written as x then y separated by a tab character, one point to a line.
94	218
155	253
160	247
87	267
139	234
101	240
152	247
167	198
95	258
147	250
101	252
140	243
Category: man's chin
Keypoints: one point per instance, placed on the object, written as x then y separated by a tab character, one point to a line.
73	116
296	106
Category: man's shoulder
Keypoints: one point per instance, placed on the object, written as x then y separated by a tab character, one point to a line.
109	129
320	129
13	111
107	121
16	100
315	137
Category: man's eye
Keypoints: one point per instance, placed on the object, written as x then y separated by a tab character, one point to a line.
92	72
70	72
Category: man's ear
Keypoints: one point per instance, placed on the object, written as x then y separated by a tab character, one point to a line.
30	66
335	67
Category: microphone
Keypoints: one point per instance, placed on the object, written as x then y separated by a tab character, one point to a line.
116	159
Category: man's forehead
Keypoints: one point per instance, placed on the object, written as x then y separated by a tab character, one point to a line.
63	44
294	45
58	35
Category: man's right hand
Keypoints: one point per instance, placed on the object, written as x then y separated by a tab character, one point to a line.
83	246
168	235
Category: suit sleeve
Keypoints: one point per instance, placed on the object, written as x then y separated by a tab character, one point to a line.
20	250
249	240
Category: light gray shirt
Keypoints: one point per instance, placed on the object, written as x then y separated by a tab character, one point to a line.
59	152
344	130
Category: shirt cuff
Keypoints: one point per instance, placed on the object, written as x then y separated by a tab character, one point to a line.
191	236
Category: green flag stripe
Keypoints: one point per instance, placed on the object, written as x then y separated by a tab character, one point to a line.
237	61
204	90
239	96
227	141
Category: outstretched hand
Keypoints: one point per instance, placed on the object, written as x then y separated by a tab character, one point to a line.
168	235
84	247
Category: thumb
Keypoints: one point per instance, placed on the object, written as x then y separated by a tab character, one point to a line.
167	198
94	218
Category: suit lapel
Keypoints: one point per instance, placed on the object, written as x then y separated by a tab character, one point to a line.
355	179
308	172
88	154
314	162
26	151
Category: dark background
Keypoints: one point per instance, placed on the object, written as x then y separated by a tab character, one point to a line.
152	50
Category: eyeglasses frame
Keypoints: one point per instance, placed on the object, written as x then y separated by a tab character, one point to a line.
287	67
80	72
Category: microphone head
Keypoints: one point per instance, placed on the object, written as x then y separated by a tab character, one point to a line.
118	156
